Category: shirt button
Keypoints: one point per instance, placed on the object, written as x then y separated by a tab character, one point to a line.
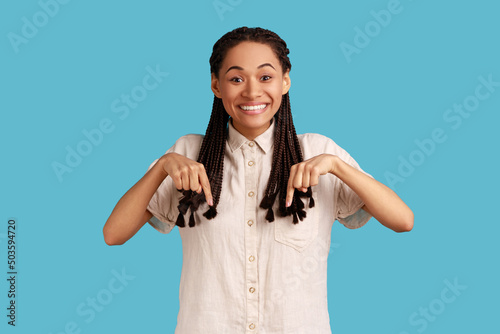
251	326
252	289
251	258
251	163
250	222
251	144
250	194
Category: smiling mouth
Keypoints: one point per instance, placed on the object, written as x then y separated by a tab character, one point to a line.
255	109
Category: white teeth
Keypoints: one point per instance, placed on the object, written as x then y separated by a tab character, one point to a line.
257	107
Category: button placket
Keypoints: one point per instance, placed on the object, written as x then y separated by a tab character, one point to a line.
249	156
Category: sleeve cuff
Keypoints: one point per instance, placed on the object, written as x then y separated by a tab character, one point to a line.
356	220
161	226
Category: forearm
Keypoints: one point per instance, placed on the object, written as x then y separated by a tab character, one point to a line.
128	215
380	201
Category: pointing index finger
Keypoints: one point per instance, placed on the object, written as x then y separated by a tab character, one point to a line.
206	189
290	189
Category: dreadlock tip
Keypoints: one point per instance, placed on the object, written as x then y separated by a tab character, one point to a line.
191	220
180	221
270	215
210	213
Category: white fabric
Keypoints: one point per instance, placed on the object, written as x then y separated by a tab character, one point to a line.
265	278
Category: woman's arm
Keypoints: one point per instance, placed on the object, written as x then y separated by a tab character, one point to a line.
380	201
130	213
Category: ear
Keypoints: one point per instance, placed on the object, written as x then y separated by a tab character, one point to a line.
286	82
215	86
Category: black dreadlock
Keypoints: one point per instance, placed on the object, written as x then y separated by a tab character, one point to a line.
287	151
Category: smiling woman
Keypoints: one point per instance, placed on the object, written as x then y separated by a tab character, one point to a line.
240	261
251	91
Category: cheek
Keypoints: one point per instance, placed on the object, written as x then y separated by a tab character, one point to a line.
277	89
228	92
278	94
228	103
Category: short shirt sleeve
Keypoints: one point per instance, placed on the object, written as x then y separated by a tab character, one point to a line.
348	205
163	204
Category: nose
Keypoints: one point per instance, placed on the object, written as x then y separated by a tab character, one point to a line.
252	89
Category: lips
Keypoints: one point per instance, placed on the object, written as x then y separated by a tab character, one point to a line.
253	108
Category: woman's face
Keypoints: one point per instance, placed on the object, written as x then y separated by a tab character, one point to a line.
251	84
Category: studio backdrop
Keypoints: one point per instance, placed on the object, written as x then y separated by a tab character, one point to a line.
93	92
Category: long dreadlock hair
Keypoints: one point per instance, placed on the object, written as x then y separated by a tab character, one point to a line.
287	151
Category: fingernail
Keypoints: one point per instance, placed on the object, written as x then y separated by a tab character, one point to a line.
288	203
211	202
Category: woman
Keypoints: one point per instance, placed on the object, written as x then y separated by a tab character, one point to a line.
261	201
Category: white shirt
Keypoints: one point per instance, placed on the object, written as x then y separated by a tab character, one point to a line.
242	274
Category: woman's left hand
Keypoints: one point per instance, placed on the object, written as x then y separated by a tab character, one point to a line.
379	200
306	174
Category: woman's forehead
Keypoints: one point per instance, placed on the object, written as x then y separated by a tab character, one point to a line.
250	56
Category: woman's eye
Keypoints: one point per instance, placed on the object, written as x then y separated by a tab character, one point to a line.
236	79
266	77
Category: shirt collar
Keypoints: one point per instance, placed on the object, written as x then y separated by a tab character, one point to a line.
265	140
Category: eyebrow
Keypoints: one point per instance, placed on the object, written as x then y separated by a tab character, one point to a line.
241	68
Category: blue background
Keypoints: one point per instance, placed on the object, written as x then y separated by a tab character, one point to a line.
375	104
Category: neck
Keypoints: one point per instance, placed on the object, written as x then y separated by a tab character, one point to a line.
251	134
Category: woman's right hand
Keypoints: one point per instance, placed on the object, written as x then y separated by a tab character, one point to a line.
187	174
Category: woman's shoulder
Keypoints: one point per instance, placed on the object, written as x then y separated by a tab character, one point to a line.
313	144
189	139
188	145
315	139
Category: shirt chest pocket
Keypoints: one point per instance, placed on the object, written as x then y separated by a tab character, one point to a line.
297	236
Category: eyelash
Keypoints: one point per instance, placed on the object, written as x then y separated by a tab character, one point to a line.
267	76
